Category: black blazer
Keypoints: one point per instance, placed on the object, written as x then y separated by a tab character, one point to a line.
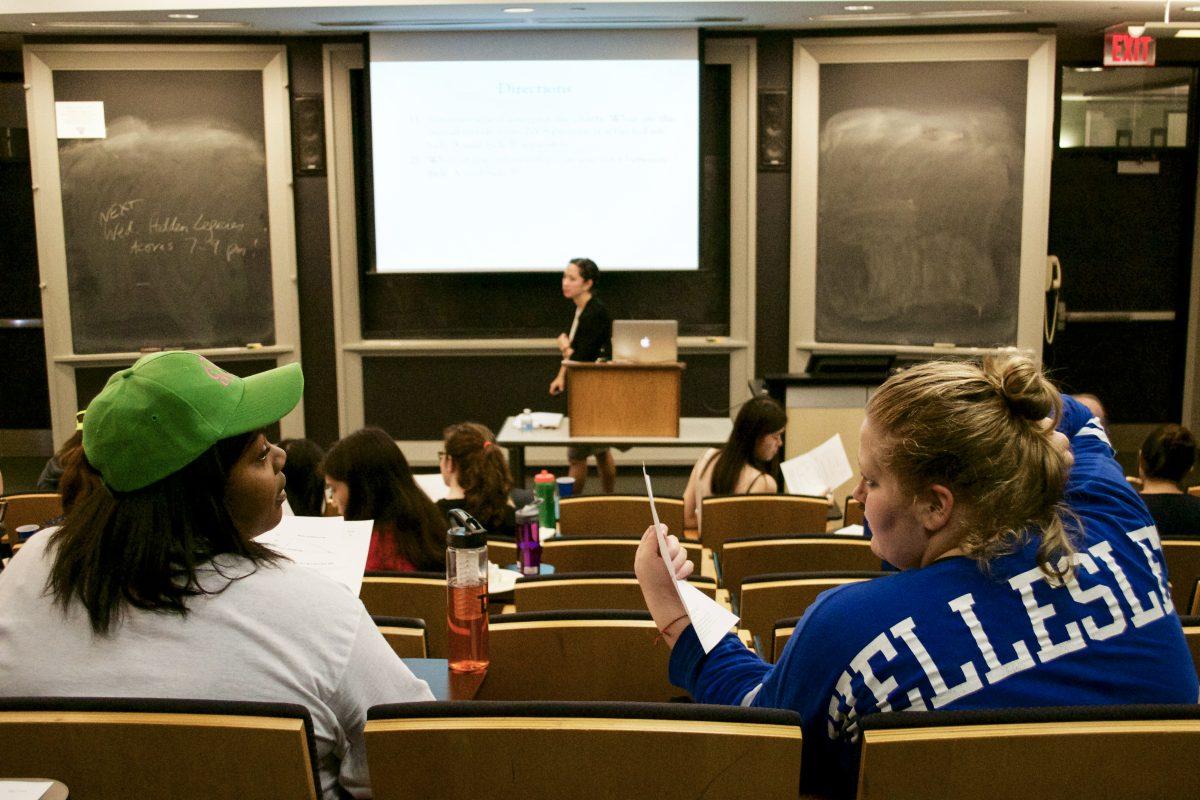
593	336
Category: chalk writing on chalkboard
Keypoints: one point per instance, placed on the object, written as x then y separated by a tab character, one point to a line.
166	219
919	204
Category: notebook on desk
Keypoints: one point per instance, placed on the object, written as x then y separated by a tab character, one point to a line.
645	340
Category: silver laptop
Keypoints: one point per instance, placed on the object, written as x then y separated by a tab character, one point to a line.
645	340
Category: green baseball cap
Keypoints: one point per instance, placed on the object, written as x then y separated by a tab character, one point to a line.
161	414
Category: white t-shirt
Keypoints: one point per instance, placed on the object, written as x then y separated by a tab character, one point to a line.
283	634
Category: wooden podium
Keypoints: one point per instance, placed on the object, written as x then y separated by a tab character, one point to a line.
619	399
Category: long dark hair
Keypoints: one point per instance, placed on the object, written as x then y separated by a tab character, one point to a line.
758	417
305	483
144	548
1169	452
382	488
482	471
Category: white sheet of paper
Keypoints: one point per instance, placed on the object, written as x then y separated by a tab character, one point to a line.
500	579
433	485
710	619
546	419
819	471
80	120
851	530
330	545
23	790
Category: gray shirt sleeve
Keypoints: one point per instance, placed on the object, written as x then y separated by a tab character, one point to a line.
373	675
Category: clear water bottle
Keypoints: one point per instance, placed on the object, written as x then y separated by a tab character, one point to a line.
525	421
467	593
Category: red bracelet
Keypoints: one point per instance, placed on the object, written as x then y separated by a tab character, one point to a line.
662	632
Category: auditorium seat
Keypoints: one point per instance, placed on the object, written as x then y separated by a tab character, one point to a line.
502	550
116	749
601	554
771	597
580	590
406	635
756	555
410	594
576	655
617	515
550	751
1183	568
1047	753
784	628
29	508
724	517
853	514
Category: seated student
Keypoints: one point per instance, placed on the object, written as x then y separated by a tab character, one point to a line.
155	587
305	484
368	478
476	471
744	464
1164	461
1005	598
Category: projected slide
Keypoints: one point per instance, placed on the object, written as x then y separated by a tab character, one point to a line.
520	165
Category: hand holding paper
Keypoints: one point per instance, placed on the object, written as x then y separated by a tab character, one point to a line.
710	619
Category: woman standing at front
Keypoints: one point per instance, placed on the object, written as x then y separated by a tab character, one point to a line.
590	339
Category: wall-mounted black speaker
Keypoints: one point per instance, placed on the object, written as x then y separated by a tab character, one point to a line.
774	131
308	134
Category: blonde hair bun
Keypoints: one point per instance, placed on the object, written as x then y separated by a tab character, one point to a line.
1022	386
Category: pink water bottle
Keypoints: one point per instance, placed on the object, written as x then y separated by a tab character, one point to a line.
467	593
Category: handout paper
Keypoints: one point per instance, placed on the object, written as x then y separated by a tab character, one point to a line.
819	471
710	619
330	545
433	485
80	120
23	790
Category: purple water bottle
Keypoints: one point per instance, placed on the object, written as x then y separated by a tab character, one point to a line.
529	540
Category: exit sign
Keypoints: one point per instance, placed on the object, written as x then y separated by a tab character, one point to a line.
1123	50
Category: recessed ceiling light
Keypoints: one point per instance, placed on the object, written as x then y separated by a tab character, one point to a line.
183	16
518	10
858	8
1188	33
1193	9
1089	69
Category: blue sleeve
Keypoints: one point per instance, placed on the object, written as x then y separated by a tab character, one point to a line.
1097	483
800	681
725	675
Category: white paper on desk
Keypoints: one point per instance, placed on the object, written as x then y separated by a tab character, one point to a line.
330	545
546	419
80	120
432	484
819	471
710	619
23	790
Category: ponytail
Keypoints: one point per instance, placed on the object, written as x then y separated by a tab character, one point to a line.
482	471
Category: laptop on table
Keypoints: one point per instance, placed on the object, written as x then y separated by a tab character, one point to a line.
645	340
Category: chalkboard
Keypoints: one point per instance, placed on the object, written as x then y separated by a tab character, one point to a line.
919	202
165	219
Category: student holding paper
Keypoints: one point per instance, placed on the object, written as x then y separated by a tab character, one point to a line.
746	462
1020	586
155	587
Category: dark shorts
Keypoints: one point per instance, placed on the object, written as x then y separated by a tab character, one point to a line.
581	452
